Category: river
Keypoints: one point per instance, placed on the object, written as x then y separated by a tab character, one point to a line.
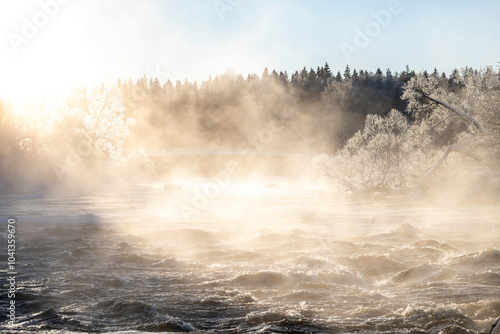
249	258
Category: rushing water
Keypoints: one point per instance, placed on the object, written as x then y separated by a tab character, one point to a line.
270	259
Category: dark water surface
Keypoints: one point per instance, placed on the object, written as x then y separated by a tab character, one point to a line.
254	259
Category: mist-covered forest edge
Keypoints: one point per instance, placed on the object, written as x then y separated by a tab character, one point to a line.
384	133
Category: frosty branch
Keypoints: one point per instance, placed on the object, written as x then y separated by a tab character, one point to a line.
462	114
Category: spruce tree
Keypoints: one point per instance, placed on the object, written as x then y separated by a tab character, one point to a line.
338	77
347	72
328	72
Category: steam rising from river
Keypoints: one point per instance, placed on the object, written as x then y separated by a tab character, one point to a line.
260	258
238	238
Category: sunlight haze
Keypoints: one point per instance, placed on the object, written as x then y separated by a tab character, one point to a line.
250	166
94	41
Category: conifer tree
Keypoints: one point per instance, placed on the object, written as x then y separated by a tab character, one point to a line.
347	72
328	72
338	77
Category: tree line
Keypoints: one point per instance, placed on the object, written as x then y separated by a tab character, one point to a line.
325	108
381	132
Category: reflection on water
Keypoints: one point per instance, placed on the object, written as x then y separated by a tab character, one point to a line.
268	259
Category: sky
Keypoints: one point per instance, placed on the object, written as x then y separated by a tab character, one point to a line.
54	45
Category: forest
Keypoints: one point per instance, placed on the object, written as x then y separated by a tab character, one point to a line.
390	134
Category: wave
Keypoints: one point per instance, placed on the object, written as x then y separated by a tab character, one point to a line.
50	319
284	321
169	263
184	237
132	259
423	274
373	265
401	234
431	243
130	308
439	319
489	258
263	279
152	319
308	262
174	325
414	256
488	278
489	310
302	295
336	276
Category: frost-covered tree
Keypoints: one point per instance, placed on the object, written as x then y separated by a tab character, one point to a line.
89	138
467	117
448	134
387	156
102	122
93	129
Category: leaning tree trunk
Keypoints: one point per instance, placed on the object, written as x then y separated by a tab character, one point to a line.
426	178
462	114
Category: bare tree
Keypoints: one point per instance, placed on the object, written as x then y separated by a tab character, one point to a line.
98	122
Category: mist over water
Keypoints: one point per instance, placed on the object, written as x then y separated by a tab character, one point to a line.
179	166
285	221
269	257
312	203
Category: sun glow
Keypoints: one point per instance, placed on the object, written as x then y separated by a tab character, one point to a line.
41	113
52	60
54	70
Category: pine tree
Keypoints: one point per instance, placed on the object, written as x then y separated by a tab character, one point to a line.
338	77
321	72
455	81
389	82
407	74
155	84
388	74
347	72
379	77
303	74
442	80
283	78
328	72
265	74
168	87
435	73
274	75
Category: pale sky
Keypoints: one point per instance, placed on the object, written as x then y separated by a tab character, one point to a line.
50	45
